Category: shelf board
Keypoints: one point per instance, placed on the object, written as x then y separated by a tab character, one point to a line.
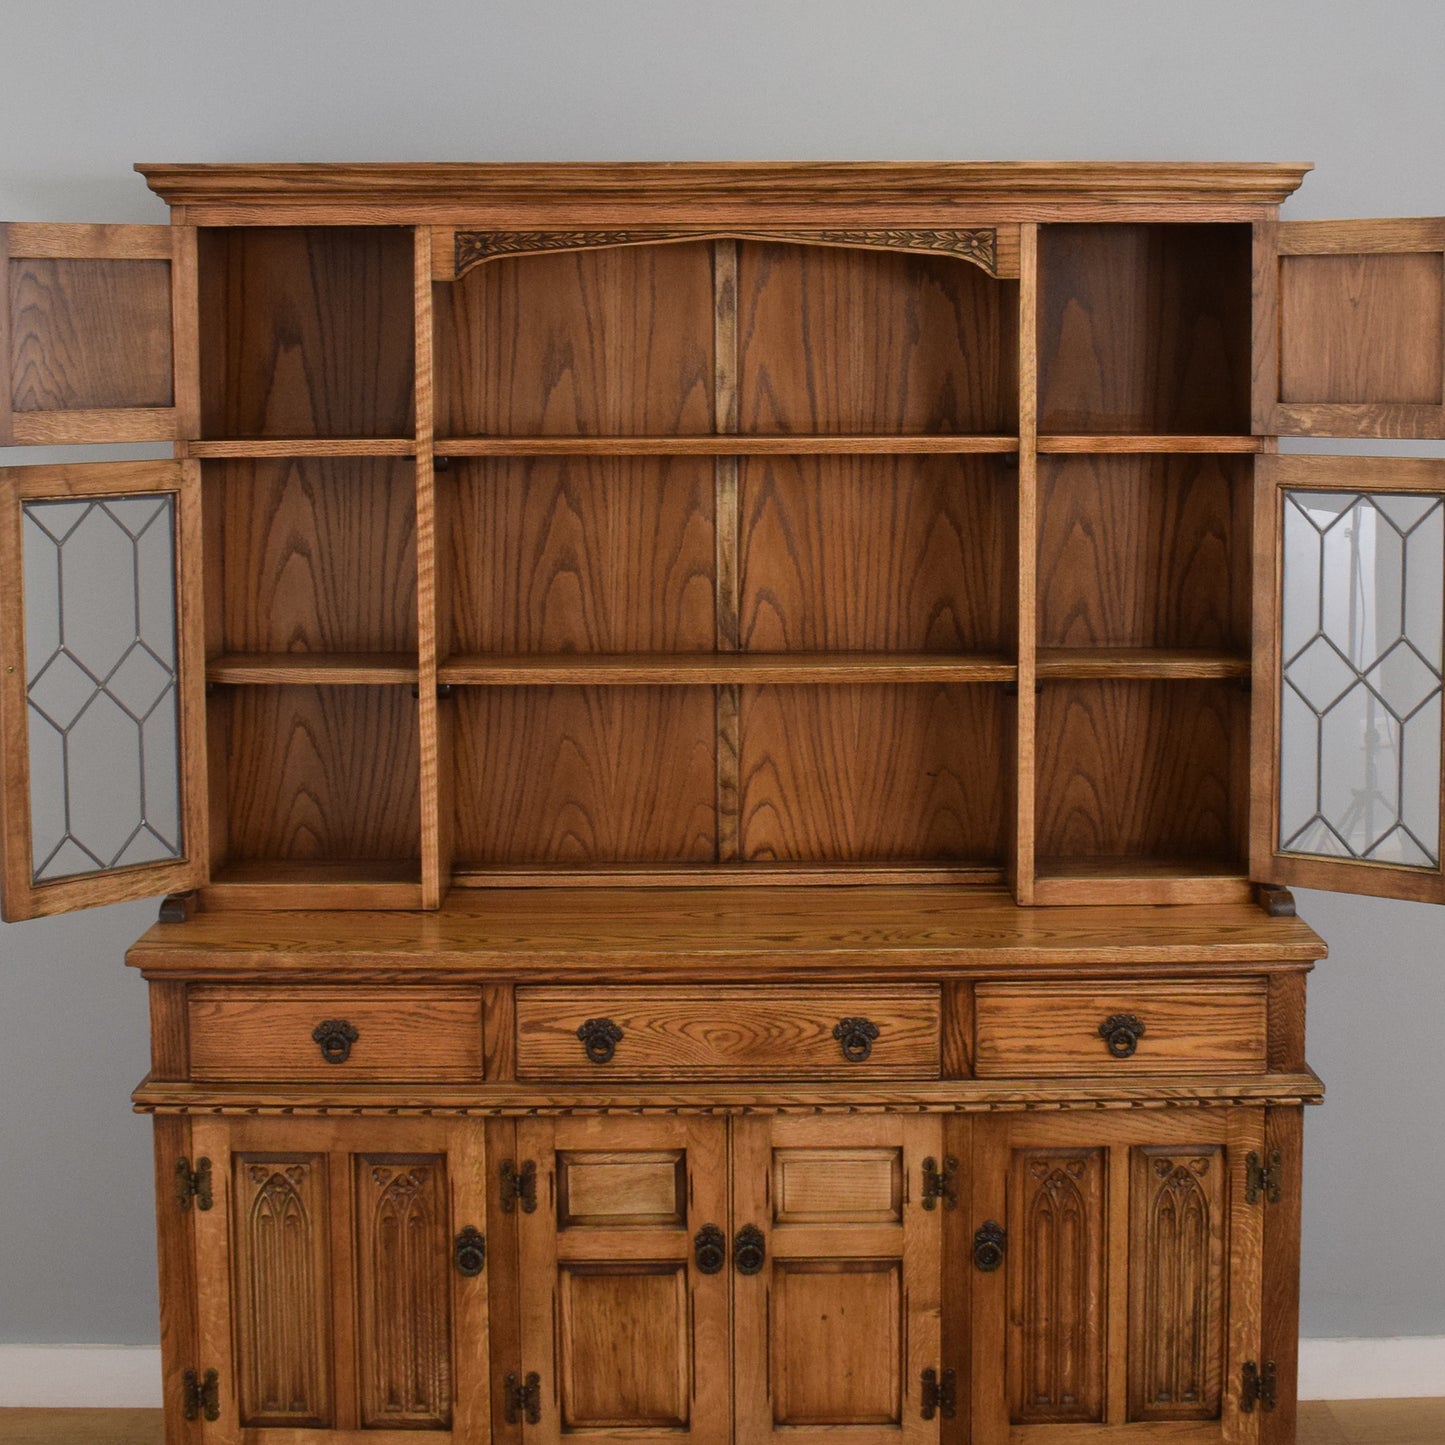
1140	662
1103	442
304	447
713	445
725	875
1140	880
331	669
291	885
704	669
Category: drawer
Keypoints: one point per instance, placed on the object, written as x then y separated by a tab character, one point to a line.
1193	1028
253	1033
722	1033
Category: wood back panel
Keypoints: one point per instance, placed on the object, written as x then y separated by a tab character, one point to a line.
1145	551
874	773
306	332
314	554
838	340
901	553
571	554
1144	328
1143	770
610	341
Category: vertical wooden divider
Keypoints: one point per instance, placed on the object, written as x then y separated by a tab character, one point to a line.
725	531
1024	866
434	730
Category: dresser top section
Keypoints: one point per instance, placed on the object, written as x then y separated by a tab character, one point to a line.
617	191
699	933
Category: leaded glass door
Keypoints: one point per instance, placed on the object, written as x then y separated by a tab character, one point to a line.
101	684
1350	592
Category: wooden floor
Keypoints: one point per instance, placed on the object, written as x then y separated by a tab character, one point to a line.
1346	1422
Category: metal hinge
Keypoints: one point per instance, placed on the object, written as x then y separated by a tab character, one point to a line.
519	1186
523	1400
202	1395
938	1184
1258	1387
1261	1178
193	1183
940	1394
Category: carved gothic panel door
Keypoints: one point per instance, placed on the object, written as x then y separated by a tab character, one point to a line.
338	1288
837	1287
1117	1278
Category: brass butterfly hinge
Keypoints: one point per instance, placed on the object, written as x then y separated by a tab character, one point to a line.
519	1186
193	1184
201	1395
1258	1387
523	1399
940	1394
938	1183
1263	1176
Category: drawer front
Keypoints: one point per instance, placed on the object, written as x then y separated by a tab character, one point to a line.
1194	1028
335	1034
762	1032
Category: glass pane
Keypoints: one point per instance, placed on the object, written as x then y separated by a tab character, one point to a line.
104	714
1360	715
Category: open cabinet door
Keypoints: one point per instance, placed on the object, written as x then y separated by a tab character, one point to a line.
102	778
1350	328
1348	662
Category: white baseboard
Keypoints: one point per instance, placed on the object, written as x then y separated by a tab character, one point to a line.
1380	1369
127	1377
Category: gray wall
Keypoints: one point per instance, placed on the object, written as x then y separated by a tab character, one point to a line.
86	89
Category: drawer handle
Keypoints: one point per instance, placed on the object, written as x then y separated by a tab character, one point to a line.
856	1036
470	1252
600	1038
989	1244
749	1250
1122	1033
336	1037
710	1249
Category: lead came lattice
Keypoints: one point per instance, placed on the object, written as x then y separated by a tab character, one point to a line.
1360	697
100	646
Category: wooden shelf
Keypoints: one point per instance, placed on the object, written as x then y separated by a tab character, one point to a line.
1131	879
286	884
1141	662
304	447
704	669
713	445
728	875
332	669
1087	442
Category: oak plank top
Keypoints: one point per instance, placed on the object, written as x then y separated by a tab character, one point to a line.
691	934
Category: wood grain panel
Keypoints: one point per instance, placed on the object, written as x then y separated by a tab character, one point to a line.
837	1186
88	334
1056	1232
728	1032
403	1291
305	779
1145	551
565	555
573	775
1362	328
239	1033
314	555
1176	1281
837	340
282	1300
1202	1028
913	773
306	332
900	553
836	1346
615	341
599	1188
1155	770
1144	328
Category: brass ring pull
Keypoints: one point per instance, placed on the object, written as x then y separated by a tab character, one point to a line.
470	1252
749	1250
856	1037
989	1244
600	1038
710	1249
1122	1033
336	1037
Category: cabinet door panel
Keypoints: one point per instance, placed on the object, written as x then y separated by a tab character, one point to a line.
1350	602
94	323
1350	328
835	1330
101	684
628	1337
